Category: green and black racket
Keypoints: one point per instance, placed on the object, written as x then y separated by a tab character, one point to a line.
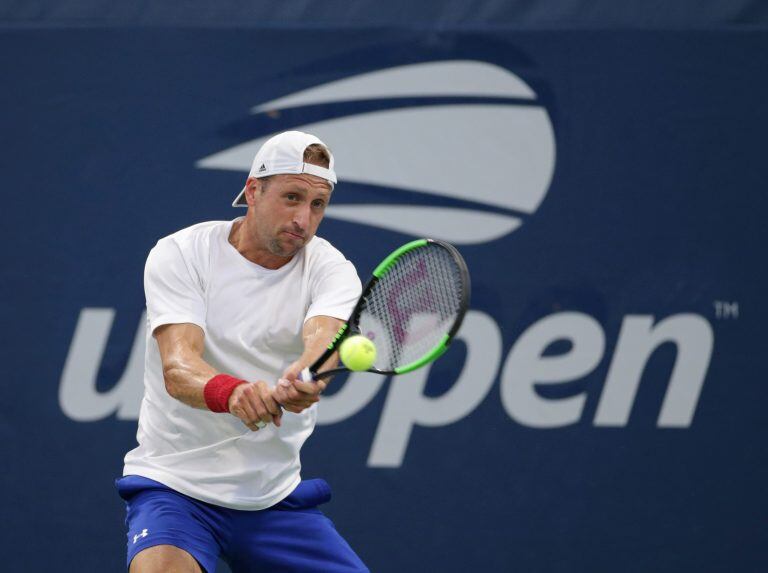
411	309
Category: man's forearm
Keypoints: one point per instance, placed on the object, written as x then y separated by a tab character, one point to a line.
184	371
185	379
318	333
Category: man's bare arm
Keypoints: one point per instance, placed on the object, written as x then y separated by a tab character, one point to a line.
184	370
318	333
186	374
291	392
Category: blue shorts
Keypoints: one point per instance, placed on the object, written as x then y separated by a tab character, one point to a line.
291	536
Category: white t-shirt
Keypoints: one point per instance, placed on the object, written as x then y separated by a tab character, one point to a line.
252	318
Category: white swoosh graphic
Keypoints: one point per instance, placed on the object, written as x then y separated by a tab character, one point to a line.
452	78
461	226
495	154
501	155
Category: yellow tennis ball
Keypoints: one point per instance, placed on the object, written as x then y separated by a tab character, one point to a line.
358	353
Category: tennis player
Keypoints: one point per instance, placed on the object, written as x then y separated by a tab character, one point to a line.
236	310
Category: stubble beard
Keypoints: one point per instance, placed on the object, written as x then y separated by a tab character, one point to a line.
278	249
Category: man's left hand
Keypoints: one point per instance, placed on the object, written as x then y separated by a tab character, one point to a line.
294	394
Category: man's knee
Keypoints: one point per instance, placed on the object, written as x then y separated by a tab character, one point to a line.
164	559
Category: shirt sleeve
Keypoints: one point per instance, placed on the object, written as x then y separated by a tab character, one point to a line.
173	293
335	292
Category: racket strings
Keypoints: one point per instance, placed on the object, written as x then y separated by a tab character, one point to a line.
412	306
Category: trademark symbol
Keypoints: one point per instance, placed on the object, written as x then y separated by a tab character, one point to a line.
726	310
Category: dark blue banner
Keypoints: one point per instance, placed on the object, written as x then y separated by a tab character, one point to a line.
482	15
602	409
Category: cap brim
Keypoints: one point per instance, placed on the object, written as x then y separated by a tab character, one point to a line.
240	199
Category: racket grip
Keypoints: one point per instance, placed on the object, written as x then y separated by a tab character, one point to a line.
306	375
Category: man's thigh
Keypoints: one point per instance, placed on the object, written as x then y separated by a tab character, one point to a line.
164	559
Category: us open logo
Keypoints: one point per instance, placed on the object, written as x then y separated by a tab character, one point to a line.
478	158
480	168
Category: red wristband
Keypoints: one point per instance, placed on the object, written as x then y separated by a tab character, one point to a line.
218	390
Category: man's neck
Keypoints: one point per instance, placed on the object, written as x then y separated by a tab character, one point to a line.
242	239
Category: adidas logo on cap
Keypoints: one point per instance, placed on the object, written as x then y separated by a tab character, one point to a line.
263	168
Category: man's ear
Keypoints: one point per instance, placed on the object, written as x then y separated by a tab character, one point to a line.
252	189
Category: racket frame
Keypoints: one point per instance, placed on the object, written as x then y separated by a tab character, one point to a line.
351	326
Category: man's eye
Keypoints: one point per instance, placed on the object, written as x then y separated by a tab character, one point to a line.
292	197
318	204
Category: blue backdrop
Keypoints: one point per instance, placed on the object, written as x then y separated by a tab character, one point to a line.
603	410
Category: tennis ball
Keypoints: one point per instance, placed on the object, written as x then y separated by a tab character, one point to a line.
358	353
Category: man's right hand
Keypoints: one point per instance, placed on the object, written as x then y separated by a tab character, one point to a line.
254	403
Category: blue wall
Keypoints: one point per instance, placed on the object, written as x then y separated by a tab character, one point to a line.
604	408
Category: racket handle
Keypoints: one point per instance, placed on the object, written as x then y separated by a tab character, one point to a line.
306	375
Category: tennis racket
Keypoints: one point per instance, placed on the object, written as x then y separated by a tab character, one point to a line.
411	309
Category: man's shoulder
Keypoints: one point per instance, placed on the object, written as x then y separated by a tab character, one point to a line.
323	260
190	248
198	235
322	249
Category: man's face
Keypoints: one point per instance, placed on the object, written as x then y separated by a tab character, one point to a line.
286	210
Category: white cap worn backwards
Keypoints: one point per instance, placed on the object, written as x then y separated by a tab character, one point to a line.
284	153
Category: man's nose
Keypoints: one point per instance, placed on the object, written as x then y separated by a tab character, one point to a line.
301	217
